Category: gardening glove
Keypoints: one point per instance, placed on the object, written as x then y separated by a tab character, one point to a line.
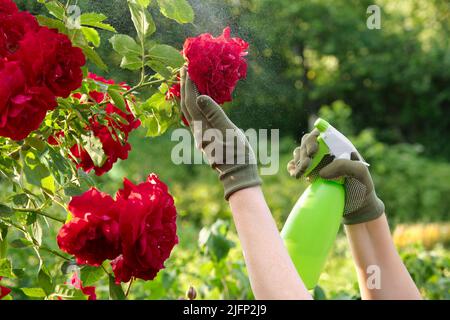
361	201
233	159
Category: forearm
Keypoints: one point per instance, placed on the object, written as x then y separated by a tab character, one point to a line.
271	271
381	273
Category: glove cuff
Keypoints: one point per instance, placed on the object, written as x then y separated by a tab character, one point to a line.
239	177
371	210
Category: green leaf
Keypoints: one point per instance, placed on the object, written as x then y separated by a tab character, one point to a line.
68	292
20	199
52	23
160	68
48	183
152	125
93	56
6	269
19	273
26	218
125	45
90	275
55	9
35	143
178	10
73	190
157	115
91	35
3	243
157	102
118	99
36	232
36	173
131	62
214	241
45	280
167	55
59	166
319	294
94	148
142	20
115	290
144	3
95	20
5	210
20	243
34	292
3	233
85	178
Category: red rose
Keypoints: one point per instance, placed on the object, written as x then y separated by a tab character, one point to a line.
7	7
114	147
215	65
22	107
132	122
173	92
13	28
92	235
122	272
111	109
55	139
4	291
96	95
147	229
49	58
78	284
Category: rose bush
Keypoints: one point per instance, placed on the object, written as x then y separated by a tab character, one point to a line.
59	123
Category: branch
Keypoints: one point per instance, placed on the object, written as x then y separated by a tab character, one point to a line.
33	240
39	212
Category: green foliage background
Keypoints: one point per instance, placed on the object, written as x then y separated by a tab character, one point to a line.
387	89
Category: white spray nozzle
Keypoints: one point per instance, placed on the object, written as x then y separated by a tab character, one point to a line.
338	144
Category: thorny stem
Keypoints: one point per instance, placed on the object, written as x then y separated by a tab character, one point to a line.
129	287
139	86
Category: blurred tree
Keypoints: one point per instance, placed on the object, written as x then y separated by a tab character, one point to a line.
309	53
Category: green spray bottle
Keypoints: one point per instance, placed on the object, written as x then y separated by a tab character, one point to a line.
312	226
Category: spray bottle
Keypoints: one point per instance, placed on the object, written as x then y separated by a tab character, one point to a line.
312	225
